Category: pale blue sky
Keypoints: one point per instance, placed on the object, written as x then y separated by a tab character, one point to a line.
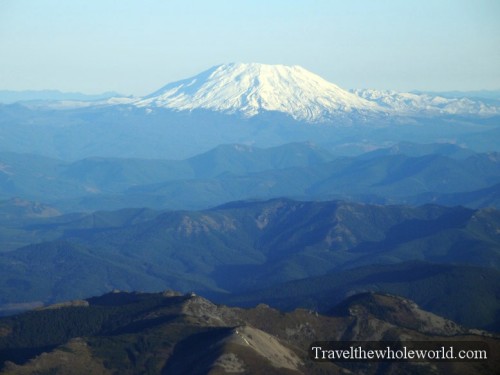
135	47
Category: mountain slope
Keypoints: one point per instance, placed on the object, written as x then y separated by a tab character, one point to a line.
488	197
170	333
462	293
404	173
34	177
150	132
384	179
237	247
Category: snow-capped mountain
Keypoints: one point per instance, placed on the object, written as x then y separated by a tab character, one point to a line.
249	89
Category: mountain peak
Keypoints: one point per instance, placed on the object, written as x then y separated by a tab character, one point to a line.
251	88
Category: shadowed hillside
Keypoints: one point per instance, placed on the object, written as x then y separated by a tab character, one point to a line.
167	333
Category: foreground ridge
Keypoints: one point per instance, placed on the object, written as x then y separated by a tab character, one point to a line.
169	332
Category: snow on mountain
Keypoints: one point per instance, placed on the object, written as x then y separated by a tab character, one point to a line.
249	89
409	103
